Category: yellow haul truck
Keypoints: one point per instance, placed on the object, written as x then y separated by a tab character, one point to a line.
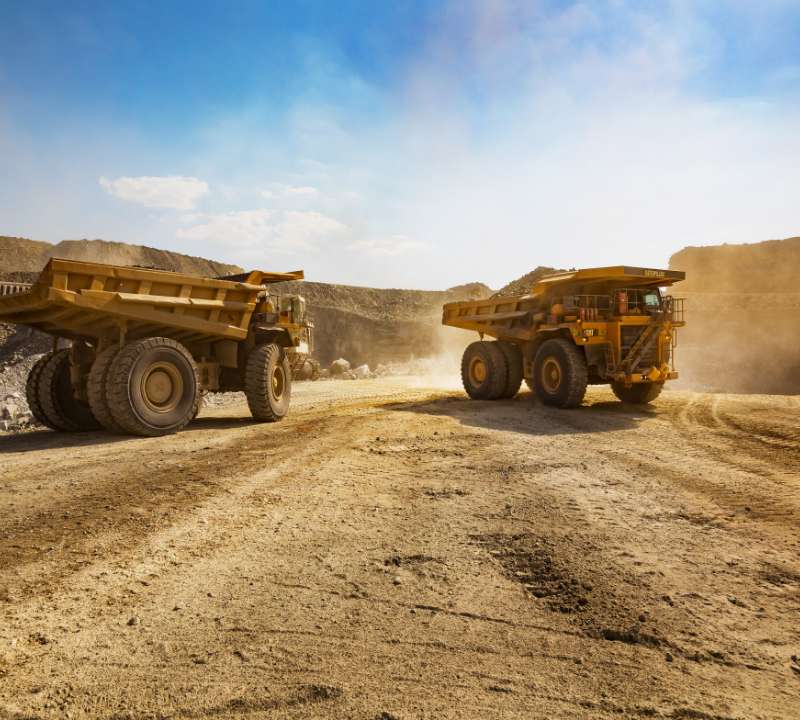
610	325
146	343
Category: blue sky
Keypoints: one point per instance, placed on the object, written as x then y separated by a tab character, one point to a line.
418	144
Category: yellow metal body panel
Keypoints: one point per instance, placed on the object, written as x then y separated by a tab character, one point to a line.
93	301
615	273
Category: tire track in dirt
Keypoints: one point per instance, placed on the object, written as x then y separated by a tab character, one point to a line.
283	573
756	445
105	515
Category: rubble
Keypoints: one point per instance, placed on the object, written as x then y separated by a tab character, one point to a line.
14	411
339	367
362	372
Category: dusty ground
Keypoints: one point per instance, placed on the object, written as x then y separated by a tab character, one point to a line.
401	552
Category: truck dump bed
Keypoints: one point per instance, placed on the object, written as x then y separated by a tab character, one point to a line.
520	317
86	300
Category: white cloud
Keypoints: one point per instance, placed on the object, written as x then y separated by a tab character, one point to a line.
588	135
247	230
171	191
279	190
304	229
236	229
387	247
300	190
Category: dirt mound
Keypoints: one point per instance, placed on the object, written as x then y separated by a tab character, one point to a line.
526	282
764	267
116	253
743	317
21	255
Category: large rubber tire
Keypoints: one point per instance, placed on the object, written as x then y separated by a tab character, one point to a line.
560	375
32	391
57	399
268	382
513	356
484	371
96	389
153	387
638	394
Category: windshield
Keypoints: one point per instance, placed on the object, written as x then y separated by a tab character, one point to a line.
652	299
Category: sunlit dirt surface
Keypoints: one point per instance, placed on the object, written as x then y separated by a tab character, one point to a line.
394	550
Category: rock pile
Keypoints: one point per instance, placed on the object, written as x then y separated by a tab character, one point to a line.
14	411
342	369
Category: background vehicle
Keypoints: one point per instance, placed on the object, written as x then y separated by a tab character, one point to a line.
601	325
146	343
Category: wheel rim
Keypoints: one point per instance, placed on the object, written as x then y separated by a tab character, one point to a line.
278	382
162	387
477	371
551	375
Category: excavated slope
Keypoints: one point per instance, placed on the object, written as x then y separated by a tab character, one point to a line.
371	325
765	267
743	316
22	255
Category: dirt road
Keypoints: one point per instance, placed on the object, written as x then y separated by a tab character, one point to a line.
392	551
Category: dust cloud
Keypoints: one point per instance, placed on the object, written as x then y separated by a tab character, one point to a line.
742	329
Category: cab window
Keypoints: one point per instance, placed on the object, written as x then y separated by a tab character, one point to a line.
652	299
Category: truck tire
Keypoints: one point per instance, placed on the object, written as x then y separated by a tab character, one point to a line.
513	357
57	399
484	371
96	389
560	375
153	387
32	391
268	382
638	394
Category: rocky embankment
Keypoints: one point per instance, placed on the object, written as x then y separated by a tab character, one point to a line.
379	326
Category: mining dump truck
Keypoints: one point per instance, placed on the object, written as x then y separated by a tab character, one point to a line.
145	344
611	325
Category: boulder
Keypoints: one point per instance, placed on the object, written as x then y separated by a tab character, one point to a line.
362	372
10	408
339	367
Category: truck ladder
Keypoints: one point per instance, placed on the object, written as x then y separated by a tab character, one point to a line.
641	346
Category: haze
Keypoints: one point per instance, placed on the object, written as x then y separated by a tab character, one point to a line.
411	144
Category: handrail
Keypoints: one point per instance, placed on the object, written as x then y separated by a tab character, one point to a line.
14	288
